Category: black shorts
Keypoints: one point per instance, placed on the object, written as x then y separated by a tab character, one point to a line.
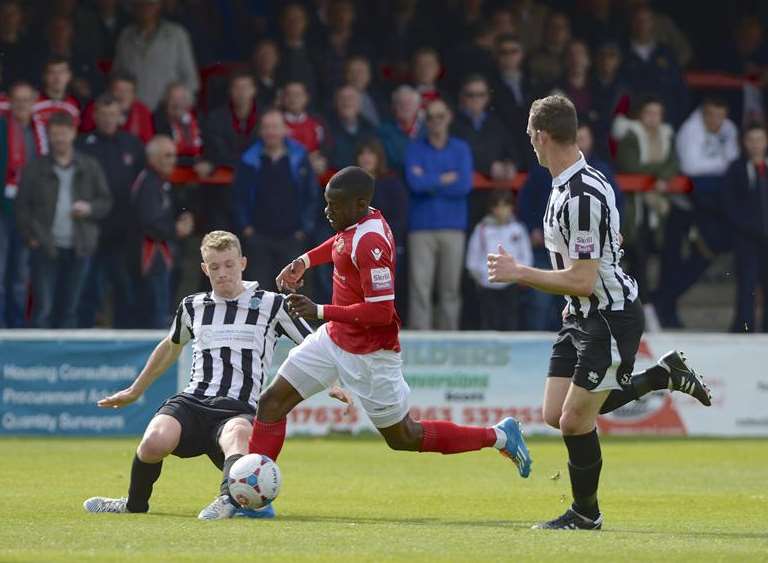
586	347
202	419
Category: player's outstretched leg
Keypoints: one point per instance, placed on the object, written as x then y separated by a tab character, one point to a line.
268	434
442	436
671	372
160	439
233	442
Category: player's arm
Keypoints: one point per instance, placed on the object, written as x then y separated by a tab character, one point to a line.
296	328
290	277
578	279
587	224
163	357
367	314
374	262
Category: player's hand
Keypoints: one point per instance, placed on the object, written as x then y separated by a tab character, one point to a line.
290	277
502	267
340	394
301	306
119	399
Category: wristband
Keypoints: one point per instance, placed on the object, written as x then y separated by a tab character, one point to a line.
320	312
304	258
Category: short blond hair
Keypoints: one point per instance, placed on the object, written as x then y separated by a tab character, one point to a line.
220	241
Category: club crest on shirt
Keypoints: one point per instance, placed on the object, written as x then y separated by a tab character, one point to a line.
376	252
340	245
255	302
128	159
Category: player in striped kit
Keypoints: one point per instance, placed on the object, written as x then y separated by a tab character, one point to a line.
234	329
603	318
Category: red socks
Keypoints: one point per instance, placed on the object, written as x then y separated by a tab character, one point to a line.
449	438
267	438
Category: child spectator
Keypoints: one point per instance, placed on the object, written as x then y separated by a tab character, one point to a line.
498	303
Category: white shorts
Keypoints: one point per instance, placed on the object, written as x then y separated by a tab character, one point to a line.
376	378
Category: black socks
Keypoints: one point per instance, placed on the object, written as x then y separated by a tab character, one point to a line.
143	477
652	379
228	463
584	464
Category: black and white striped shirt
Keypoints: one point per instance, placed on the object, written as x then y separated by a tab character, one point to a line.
233	340
582	223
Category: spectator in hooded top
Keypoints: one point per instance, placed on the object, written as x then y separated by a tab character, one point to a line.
493	150
22	142
348	128
438	171
157	53
265	60
275	199
547	64
512	92
308	129
498	303
175	118
649	62
121	156
62	198
357	73
425	70
406	125
747	207
135	116
646	146
296	62
706	144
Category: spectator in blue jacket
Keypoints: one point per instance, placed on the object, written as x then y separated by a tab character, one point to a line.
275	199
407	124
438	170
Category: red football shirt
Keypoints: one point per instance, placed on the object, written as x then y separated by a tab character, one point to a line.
364	271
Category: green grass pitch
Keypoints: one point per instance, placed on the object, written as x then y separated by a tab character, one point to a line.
354	500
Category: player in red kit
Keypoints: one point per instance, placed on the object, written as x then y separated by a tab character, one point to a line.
359	344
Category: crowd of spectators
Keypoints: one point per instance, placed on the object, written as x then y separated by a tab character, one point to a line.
426	95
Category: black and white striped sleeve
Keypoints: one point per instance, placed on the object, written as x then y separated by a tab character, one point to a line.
295	329
587	223
181	327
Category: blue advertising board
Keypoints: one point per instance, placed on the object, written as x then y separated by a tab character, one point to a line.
51	386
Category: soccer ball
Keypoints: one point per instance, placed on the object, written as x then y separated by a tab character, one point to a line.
254	481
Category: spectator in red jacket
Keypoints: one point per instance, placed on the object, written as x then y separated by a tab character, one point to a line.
309	130
136	117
